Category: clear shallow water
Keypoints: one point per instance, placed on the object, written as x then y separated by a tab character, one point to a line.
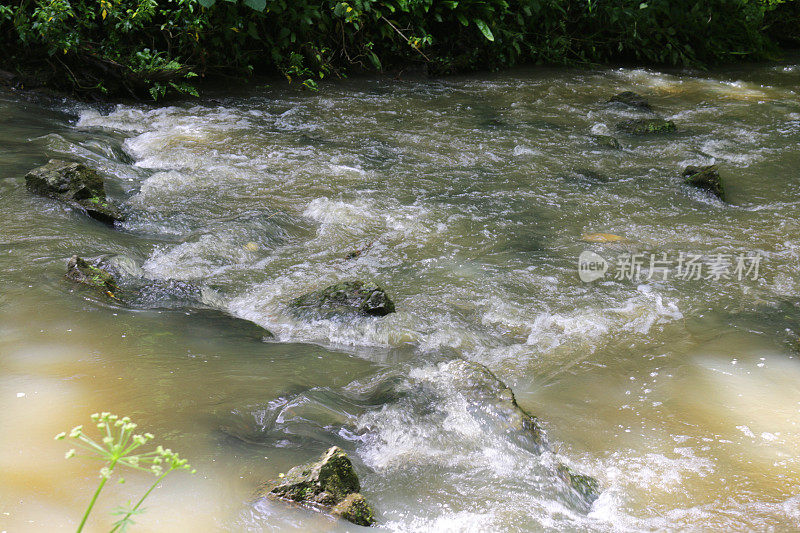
472	195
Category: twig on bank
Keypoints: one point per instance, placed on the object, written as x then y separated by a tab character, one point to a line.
406	38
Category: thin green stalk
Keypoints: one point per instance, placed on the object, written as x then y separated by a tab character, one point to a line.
94	498
116	450
145	495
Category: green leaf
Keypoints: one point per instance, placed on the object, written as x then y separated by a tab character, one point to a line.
374	59
258	5
207	3
484	29
252	31
462	19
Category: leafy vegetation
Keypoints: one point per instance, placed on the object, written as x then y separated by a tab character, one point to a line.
116	448
158	47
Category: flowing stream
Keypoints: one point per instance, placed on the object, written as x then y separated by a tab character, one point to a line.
468	199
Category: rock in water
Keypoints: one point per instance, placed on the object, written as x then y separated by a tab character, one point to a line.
646	126
330	483
354	508
606	141
347	297
495	400
631	99
493	405
705	178
80	271
495	397
75	184
586	486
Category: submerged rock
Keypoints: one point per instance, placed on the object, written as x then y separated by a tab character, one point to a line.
590	175
495	397
706	178
75	184
347	297
586	486
631	99
115	276
492	404
330	483
359	251
606	141
602	238
646	126
208	322
81	271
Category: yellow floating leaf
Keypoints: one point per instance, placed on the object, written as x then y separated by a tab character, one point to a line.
602	237
251	246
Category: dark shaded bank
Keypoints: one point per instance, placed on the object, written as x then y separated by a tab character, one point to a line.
145	49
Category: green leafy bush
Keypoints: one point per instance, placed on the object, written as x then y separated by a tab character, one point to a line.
670	32
159	47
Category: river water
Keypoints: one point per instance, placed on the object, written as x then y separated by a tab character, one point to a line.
469	197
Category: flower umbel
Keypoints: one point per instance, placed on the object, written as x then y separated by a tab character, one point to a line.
116	447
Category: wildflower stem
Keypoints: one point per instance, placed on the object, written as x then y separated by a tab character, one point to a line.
145	495
116	450
94	498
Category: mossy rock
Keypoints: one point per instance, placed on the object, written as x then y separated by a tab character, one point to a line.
345	298
706	178
606	141
586	486
75	184
330	483
81	271
354	508
631	99
646	126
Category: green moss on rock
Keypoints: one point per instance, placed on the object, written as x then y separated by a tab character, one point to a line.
81	271
345	298
355	509
330	483
75	184
646	126
706	178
